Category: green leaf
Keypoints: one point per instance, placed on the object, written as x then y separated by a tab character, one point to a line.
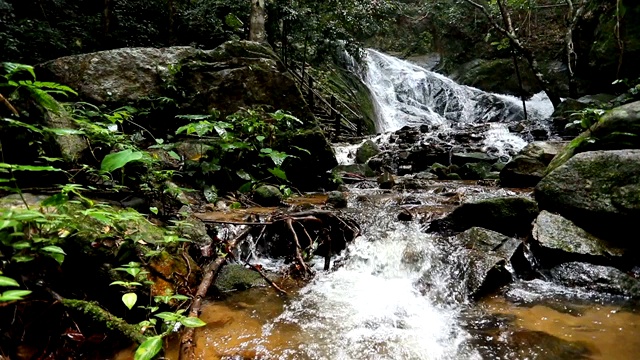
260	138
118	160
246	187
22	258
174	155
20	245
148	349
233	22
192	322
129	300
154	210
56	200
277	172
12	295
27	167
278	157
13	68
168	316
7	281
62	132
243	175
53	249
57	257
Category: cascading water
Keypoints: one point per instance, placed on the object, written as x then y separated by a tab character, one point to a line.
406	94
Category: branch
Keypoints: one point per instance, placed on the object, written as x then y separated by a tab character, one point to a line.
187	345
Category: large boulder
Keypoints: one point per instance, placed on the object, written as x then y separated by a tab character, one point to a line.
599	191
236	74
602	279
618	128
558	239
366	151
528	167
511	216
489	254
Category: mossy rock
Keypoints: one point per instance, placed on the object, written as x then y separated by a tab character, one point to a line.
511	216
618	128
267	195
238	277
366	151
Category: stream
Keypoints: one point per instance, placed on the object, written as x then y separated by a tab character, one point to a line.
398	292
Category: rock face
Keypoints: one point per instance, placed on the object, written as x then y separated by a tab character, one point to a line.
598	278
366	151
529	166
507	215
267	195
599	191
559	239
488	254
617	129
235	74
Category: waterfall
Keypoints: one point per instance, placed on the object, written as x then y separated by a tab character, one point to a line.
407	94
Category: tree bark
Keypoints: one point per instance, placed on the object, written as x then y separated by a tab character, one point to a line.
572	19
257	30
528	54
107	17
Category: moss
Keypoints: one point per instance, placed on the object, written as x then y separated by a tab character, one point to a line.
102	316
237	277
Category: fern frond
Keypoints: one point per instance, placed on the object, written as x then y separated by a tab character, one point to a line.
14	68
54	86
45	100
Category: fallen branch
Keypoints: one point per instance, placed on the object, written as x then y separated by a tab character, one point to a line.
265	277
299	257
100	315
187	345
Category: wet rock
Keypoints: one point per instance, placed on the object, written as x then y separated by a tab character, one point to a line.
169	272
366	151
599	191
560	239
524	344
386	180
507	215
602	279
617	129
405	215
237	277
267	195
475	171
529	166
472	157
489	253
308	169
337	199
362	170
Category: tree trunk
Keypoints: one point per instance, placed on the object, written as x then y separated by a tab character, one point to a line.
107	14
509	32
257	30
572	57
172	14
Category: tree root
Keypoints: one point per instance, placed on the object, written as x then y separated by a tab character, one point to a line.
100	315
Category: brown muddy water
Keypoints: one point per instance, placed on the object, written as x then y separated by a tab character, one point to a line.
398	294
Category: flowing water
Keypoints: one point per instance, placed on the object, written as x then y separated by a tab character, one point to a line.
399	293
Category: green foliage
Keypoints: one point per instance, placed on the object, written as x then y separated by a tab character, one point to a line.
241	146
149	349
118	160
585	118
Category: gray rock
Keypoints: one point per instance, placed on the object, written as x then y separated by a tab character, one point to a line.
599	191
337	198
598	278
472	157
507	215
366	151
488	255
529	166
358	169
237	277
267	195
553	232
386	180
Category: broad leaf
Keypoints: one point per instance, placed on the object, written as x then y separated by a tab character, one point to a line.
53	249
7	281
129	300
277	172
149	348
192	322
12	295
118	160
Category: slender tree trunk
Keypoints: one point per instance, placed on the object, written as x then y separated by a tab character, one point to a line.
107	15
510	33
172	30
572	58
257	30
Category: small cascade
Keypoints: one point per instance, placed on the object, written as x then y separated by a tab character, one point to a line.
406	94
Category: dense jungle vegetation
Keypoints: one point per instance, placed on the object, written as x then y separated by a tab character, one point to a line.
99	245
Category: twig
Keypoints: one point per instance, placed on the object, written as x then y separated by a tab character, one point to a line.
187	345
298	248
264	276
9	106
